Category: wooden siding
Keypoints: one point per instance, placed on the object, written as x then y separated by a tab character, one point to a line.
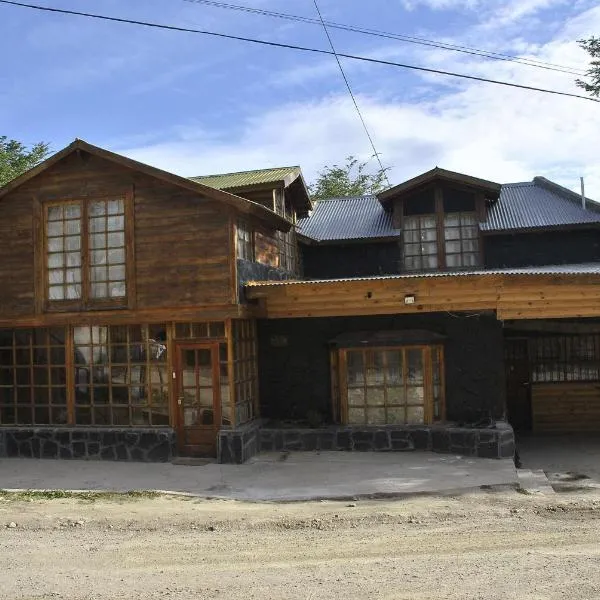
566	407
512	297
182	242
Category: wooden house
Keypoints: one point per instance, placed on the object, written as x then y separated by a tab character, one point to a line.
144	315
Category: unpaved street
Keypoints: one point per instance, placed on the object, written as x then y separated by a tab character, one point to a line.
490	545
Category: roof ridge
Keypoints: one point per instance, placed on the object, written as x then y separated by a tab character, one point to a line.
338	198
519	183
243	172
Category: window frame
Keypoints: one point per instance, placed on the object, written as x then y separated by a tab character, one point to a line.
244	241
86	301
339	378
441	241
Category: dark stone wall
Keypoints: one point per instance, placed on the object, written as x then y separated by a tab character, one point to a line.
536	249
350	260
252	271
294	372
490	442
239	445
142	445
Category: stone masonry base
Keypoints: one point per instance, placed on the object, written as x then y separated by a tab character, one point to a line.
142	445
491	442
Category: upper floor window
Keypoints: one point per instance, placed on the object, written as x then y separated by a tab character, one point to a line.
85	251
440	231
245	246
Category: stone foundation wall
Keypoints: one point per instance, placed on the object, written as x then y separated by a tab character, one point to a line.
493	442
142	445
239	445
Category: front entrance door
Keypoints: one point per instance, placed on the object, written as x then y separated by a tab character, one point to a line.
198	398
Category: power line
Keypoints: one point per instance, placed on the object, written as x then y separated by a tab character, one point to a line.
377	61
362	120
530	62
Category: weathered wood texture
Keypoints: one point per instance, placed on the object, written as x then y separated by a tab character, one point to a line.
564	407
512	297
182	241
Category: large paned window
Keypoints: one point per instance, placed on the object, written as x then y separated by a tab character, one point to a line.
393	385
245	241
288	251
33	377
440	230
86	254
420	243
245	370
565	358
121	375
461	234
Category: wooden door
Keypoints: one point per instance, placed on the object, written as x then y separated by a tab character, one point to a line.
198	398
518	385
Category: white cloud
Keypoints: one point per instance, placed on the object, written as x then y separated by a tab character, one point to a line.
502	134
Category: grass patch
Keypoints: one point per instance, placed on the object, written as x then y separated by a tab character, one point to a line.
36	495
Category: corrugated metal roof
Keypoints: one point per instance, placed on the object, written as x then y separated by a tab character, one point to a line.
575	269
348	219
538	204
245	178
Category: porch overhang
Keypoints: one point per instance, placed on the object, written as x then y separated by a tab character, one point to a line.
528	293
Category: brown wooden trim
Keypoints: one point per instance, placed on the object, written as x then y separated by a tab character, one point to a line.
200	313
70	374
171	370
233	253
231	371
39	241
439	219
216	375
130	268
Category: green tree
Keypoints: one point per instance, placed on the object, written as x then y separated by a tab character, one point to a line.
350	179
592	47
16	158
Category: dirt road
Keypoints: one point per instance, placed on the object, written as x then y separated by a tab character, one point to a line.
490	545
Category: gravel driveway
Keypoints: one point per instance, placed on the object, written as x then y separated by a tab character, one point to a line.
488	545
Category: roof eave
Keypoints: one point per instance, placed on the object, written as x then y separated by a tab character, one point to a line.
438	173
241	204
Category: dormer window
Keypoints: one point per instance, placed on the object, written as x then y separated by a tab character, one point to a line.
440	230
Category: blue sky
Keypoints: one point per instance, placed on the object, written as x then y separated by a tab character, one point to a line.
194	105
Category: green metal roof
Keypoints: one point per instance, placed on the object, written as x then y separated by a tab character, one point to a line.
241	179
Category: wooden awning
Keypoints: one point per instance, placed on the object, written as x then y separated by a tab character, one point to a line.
510	295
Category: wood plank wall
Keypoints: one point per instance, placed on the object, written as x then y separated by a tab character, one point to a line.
564	407
182	241
512	297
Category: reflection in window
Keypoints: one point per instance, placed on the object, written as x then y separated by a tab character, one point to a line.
245	370
389	385
121	375
420	243
86	250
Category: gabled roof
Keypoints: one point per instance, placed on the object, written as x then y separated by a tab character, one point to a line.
538	204
278	177
338	219
241	204
531	206
493	189
241	179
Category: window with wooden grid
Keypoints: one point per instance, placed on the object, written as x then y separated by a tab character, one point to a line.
86	252
288	251
395	385
245	370
33	376
121	375
245	241
461	235
420	243
565	358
